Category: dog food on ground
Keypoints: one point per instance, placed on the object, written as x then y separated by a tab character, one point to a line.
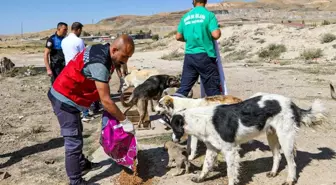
140	176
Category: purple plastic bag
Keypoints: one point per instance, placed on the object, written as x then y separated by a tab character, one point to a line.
118	144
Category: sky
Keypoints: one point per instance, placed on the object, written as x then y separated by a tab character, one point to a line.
38	15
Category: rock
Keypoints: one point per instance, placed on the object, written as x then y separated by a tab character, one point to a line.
50	161
6	65
20	117
4	175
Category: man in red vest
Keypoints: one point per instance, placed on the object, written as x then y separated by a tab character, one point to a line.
83	81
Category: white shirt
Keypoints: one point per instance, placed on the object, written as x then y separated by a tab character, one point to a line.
71	45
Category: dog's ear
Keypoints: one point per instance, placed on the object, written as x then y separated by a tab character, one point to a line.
177	124
172	81
169	102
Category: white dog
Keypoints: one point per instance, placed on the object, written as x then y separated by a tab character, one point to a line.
168	105
224	127
137	77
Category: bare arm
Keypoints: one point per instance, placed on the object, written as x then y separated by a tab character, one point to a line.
216	34
109	105
179	37
46	60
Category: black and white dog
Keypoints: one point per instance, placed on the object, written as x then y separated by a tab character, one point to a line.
224	127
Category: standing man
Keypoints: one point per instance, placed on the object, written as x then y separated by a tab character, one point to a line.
83	81
71	45
199	28
54	51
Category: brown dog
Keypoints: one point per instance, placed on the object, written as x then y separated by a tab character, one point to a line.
179	155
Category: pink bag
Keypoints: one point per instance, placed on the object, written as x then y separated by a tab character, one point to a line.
118	144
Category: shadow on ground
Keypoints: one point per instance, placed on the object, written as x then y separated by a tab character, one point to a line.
18	155
262	165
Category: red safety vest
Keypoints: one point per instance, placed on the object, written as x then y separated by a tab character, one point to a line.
72	84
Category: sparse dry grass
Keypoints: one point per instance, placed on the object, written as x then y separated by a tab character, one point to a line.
173	55
285	62
316	69
261	41
227	49
272	51
37	129
154	45
327	38
158	140
236	55
170	34
310	54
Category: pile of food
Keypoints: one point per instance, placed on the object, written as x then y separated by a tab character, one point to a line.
140	176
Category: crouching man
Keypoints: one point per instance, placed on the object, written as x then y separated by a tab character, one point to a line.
83	81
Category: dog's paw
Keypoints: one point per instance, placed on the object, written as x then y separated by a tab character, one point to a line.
271	174
191	157
197	180
177	173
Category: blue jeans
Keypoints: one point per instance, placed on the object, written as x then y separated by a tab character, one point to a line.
86	113
196	65
71	130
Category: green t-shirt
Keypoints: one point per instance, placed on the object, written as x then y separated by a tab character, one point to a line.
196	27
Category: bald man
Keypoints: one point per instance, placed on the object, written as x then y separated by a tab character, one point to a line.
83	81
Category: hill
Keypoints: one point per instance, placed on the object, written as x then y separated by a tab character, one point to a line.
227	12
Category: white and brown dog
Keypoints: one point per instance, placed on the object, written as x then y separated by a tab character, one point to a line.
224	127
168	105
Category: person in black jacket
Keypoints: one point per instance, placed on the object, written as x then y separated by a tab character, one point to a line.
53	50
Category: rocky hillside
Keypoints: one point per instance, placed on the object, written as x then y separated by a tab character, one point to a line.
227	12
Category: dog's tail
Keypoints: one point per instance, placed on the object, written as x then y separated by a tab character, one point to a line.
314	116
130	102
332	92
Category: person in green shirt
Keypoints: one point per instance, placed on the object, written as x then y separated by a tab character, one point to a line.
199	29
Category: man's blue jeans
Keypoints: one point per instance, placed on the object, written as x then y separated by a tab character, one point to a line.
196	65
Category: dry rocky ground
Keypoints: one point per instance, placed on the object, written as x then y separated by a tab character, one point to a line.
31	149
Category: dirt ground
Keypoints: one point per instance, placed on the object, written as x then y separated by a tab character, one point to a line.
31	149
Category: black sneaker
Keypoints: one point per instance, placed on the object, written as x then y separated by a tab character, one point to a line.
90	166
83	182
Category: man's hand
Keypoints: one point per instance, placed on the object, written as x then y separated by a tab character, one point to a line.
179	37
128	126
109	105
49	72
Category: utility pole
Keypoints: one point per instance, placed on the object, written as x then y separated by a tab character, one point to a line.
21	30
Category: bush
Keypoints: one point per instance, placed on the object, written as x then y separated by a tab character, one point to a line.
329	37
311	54
325	22
155	37
173	55
272	51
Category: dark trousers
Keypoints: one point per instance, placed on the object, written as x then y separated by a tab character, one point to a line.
196	65
71	130
56	69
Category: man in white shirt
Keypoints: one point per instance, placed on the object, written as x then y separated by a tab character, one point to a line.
71	45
